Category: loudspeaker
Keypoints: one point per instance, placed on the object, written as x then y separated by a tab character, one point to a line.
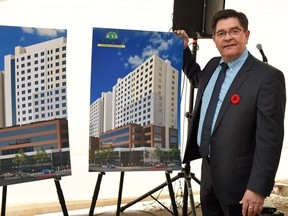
194	16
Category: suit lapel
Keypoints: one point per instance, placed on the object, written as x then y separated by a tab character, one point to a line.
236	84
205	77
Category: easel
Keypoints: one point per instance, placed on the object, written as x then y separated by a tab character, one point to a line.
187	192
59	192
96	193
185	173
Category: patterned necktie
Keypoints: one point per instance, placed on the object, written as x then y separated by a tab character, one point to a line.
207	125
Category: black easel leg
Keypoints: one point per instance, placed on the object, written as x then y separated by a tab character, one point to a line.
120	193
4	196
185	200
171	192
60	196
96	192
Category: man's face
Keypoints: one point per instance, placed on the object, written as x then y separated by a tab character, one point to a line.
230	38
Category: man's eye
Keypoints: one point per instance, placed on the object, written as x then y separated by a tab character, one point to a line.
221	34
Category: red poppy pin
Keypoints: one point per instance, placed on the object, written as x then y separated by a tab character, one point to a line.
235	99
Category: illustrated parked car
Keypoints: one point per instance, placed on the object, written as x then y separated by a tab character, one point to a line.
110	166
47	171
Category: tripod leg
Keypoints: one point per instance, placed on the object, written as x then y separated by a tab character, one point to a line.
188	190
147	194
171	192
96	192
185	200
190	193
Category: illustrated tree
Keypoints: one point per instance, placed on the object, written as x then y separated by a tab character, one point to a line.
158	153
41	157
174	153
105	153
20	159
100	153
91	156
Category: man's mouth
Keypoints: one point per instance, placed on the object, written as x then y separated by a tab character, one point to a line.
229	46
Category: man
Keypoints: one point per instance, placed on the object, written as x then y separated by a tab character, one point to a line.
244	144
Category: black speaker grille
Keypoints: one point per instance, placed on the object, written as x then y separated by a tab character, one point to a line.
194	16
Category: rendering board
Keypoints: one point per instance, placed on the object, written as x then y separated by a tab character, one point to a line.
134	100
34	137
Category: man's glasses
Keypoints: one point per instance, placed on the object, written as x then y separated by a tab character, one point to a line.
232	32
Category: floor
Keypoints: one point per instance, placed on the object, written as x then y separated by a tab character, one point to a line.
103	208
146	207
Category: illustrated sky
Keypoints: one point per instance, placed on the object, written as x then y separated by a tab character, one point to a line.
110	63
12	36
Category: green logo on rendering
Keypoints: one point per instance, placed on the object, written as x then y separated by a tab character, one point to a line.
111	41
111	35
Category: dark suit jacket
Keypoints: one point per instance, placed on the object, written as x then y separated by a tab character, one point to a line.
247	141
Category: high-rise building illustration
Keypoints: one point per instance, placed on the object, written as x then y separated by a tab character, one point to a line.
33	112
101	118
146	96
35	83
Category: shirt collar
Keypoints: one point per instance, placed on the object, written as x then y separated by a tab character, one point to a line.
239	61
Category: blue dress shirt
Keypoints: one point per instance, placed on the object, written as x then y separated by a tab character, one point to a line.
231	72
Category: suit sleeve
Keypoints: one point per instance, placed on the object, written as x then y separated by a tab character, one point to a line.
269	133
190	67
